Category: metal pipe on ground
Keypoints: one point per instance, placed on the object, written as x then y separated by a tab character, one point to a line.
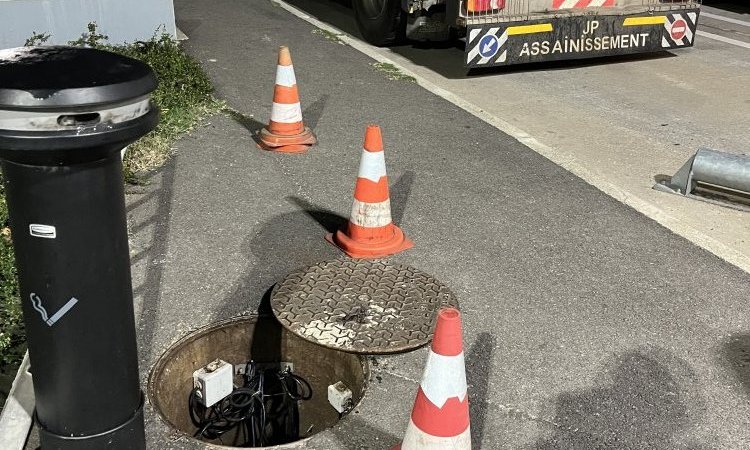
713	175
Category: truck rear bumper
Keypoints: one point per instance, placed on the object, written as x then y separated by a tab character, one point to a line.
577	37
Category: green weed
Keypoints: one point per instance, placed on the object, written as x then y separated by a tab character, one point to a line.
392	72
328	35
184	95
12	337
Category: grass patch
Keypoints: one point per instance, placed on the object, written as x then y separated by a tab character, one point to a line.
329	35
184	97
12	337
392	72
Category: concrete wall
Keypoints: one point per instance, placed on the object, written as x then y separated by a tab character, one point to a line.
122	20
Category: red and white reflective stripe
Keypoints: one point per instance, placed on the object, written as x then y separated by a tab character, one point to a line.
444	378
567	4
440	418
371	215
484	5
372	165
285	76
286	112
372	206
416	439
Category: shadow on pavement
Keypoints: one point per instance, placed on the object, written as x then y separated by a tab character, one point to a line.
284	243
327	219
338	13
479	368
356	434
737	6
247	122
400	191
331	222
644	400
188	26
312	115
552	66
314	111
150	290
292	240
736	355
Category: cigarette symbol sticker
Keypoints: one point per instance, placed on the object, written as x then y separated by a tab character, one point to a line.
37	303
43	231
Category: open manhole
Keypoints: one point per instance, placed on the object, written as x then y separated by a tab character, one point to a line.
261	348
362	306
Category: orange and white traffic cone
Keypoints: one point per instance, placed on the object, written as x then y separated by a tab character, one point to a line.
370	232
286	132
440	418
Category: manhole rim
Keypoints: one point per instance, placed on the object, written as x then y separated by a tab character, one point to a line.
158	367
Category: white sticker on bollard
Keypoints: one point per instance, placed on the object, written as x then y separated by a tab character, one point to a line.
36	302
43	231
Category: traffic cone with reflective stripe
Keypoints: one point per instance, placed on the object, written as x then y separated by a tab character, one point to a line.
440	418
285	131
370	232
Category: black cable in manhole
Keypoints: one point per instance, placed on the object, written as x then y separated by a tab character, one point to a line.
308	388
361	306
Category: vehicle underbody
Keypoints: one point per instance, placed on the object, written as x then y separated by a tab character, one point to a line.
501	32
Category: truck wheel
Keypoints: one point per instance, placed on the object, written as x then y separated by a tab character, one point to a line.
381	22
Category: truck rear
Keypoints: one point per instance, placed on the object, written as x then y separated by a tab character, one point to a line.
502	32
506	32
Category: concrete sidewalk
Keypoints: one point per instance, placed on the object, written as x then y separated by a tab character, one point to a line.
586	324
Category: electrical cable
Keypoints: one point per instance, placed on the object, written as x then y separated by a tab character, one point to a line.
300	382
263	410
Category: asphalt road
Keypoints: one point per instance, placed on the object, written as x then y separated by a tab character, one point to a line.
587	325
616	122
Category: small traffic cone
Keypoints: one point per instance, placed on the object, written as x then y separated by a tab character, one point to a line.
285	131
440	418
370	232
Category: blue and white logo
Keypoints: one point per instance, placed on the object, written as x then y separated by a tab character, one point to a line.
488	46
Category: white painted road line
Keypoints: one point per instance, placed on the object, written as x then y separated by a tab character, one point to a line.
727	40
725	19
565	161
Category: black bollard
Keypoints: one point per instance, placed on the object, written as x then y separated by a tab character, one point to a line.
65	114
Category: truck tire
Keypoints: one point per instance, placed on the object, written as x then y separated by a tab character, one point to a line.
381	22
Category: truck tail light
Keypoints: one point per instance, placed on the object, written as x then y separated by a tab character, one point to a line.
484	5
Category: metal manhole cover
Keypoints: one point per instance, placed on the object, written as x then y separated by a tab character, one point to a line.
370	307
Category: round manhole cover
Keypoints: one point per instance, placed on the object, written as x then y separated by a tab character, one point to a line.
370	307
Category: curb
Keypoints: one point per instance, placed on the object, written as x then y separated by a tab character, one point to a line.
16	417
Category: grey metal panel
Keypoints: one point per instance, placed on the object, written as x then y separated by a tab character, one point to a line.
122	20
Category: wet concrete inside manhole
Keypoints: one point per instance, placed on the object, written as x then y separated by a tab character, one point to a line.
264	341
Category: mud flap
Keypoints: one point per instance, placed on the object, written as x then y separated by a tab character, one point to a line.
578	37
